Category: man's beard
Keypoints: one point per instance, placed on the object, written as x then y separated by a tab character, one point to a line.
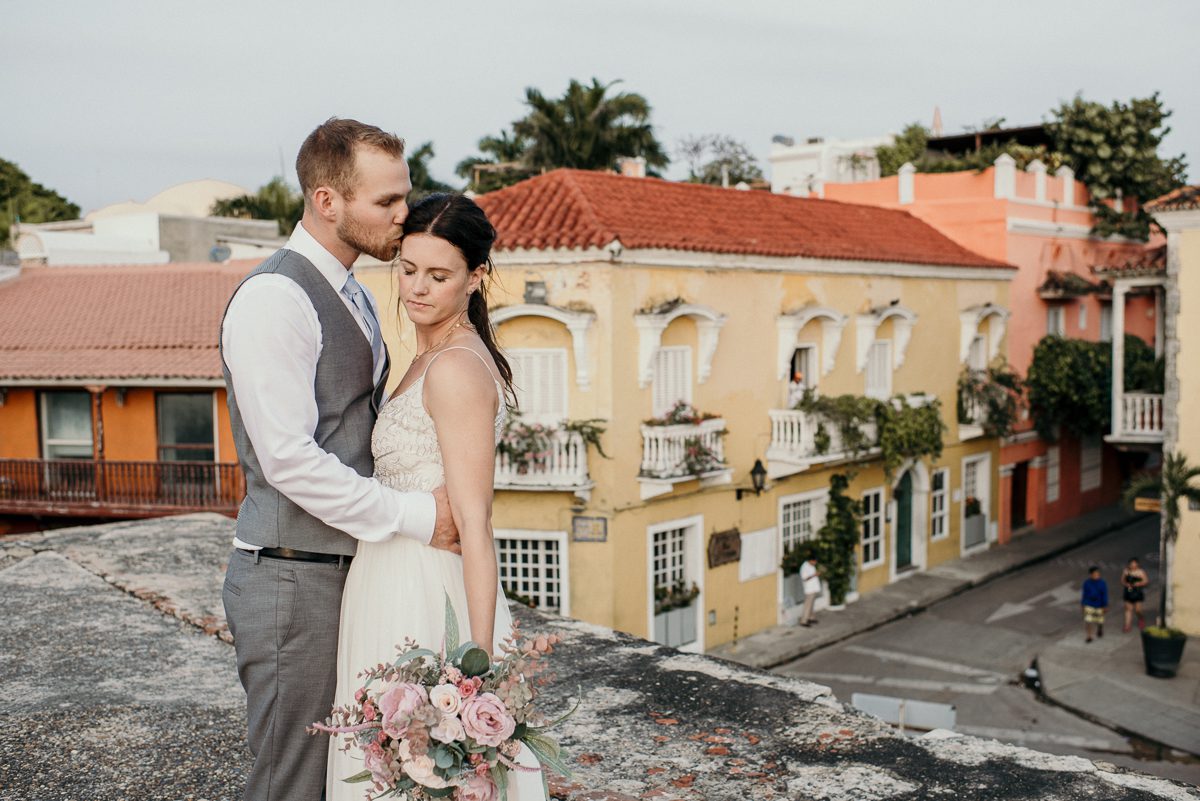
359	237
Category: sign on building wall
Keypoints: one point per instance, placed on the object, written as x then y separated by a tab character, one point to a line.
589	529
724	547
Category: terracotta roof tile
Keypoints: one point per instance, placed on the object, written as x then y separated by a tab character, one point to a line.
132	322
1181	199
580	209
1151	260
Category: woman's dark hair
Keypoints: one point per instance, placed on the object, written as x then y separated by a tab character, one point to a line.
459	220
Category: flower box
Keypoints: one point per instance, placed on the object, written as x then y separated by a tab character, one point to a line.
676	627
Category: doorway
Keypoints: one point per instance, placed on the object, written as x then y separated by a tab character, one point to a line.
1019	505
904	504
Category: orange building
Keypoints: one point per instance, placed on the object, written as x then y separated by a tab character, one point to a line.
111	397
1041	224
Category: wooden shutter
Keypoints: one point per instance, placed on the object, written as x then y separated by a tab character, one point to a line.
672	378
540	379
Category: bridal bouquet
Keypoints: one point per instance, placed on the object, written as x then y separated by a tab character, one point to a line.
449	724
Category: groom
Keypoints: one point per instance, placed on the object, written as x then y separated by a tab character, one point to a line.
305	367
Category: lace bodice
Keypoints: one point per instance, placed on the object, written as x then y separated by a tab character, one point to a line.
404	441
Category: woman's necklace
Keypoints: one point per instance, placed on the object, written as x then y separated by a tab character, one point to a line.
458	324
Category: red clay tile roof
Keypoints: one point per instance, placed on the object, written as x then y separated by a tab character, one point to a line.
109	323
1151	260
580	209
1181	199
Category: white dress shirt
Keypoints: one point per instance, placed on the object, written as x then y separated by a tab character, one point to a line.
271	339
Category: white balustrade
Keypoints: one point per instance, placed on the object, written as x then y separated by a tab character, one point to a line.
1141	414
794	433
563	465
664	447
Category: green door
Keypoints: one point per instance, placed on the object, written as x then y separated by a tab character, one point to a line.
904	522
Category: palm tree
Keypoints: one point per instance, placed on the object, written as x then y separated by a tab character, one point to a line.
423	183
502	163
588	129
275	200
1173	484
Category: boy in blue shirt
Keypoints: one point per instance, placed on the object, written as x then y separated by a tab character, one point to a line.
1095	603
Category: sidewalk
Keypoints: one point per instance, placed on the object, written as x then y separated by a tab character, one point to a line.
1106	682
780	644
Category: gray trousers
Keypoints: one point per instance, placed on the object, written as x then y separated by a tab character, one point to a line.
809	600
284	617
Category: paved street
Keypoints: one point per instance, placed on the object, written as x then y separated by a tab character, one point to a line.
969	651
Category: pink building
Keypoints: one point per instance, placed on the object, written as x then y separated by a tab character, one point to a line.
1040	223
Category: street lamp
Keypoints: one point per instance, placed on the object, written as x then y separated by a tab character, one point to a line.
758	478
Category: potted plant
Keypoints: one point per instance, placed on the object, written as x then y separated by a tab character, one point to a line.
837	540
1162	646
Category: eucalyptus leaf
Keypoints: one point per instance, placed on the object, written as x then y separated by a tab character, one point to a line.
442	757
364	776
476	662
451	626
411	655
548	753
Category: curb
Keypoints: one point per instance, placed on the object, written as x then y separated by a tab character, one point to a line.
970	584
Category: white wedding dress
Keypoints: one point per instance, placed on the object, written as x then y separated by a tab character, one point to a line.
397	589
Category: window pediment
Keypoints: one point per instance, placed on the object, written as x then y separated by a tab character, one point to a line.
577	322
868	325
972	319
650	330
789	326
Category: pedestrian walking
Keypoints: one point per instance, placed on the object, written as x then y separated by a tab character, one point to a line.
1095	603
810	578
1133	584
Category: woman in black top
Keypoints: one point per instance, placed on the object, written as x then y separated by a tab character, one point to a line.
1133	583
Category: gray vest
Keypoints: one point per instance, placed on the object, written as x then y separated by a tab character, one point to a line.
347	404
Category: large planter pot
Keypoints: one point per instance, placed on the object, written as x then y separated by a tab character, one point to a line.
974	530
676	627
793	590
1162	654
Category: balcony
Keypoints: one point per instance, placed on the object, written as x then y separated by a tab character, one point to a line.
972	415
1140	421
796	446
562	467
665	456
80	488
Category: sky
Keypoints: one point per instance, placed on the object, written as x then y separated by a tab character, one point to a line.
114	101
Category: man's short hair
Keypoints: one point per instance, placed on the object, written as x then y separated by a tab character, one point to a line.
327	156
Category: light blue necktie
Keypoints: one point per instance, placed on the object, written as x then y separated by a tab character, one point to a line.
358	296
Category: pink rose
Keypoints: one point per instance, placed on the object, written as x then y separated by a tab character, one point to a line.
478	788
466	688
376	760
422	771
486	720
400	703
445	699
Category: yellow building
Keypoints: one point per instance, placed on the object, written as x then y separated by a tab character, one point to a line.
1179	214
618	297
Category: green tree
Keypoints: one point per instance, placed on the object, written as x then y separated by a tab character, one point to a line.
423	183
1069	386
1114	150
718	159
908	147
501	163
838	538
275	200
1176	482
588	128
24	200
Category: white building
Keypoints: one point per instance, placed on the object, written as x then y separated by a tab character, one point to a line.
803	169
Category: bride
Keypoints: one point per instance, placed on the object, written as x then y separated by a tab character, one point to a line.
440	426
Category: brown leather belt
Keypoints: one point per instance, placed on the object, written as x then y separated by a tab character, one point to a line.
299	556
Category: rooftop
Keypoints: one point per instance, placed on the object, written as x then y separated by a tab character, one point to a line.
581	209
139	654
1181	199
129	322
1150	260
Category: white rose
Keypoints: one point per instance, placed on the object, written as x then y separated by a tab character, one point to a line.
448	730
446	698
421	770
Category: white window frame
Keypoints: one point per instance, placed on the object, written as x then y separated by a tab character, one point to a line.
1106	322
818	510
564	562
760	557
544	417
877	540
47	443
879	346
1053	474
939	516
693	572
1056	320
1082	315
1091	467
812	375
660	408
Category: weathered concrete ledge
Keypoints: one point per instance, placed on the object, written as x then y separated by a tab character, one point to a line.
112	689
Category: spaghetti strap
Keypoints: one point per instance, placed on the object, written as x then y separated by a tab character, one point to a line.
456	347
